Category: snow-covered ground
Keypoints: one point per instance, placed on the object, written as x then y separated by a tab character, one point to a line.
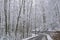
35	36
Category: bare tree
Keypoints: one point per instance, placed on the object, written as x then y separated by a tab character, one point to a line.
44	19
28	17
0	18
35	21
27	22
5	12
19	16
8	28
23	14
30	12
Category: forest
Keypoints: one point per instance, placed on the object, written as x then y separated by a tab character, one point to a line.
29	19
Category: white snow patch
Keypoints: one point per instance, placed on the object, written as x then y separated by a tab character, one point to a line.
33	35
48	37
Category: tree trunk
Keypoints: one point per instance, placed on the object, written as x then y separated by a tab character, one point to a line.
5	12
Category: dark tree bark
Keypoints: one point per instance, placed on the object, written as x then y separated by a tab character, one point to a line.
19	16
5	12
35	21
24	15
8	28
0	18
